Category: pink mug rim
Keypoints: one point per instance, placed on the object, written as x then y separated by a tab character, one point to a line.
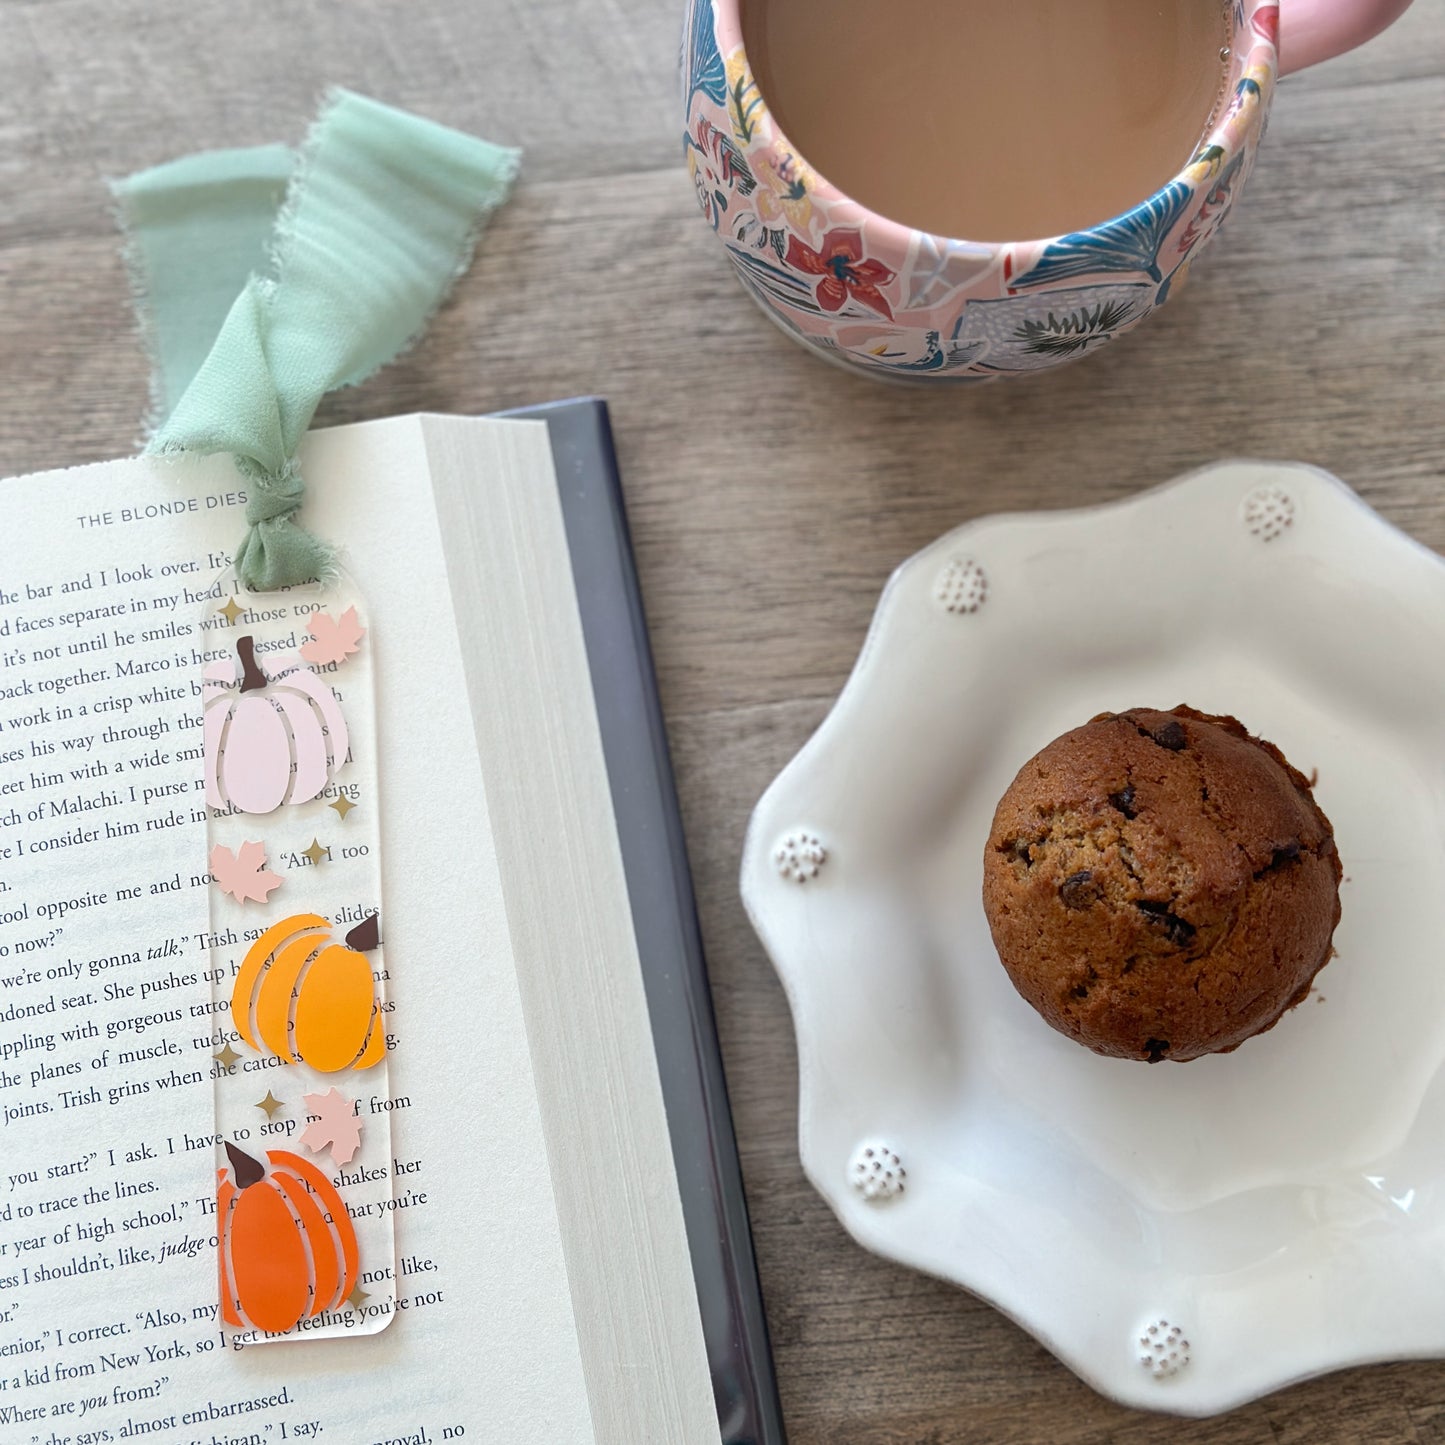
779	149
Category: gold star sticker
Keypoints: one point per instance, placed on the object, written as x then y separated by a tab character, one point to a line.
270	1104
231	611
227	1056
315	852
357	1298
343	806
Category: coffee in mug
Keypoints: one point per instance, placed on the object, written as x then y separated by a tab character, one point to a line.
993	120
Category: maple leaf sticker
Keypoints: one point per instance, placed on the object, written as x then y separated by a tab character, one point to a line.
333	639
244	874
332	1122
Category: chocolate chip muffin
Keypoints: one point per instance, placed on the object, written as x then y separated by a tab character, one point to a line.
1161	885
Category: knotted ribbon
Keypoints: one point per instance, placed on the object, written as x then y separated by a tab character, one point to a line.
265	279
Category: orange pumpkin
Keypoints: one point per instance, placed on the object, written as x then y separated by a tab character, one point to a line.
308	999
287	1246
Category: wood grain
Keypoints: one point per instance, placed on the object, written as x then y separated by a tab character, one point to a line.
770	496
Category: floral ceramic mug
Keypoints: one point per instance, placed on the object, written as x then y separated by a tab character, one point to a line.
881	298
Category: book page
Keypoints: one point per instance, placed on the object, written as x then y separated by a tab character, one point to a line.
624	1234
108	1299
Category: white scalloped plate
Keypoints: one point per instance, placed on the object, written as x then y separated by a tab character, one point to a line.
1273	1213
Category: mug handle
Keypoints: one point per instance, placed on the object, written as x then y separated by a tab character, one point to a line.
1314	30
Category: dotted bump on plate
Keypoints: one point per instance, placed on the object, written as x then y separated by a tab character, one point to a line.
1268	512
962	586
800	857
876	1171
1163	1350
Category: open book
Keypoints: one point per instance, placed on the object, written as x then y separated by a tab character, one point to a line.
554	1282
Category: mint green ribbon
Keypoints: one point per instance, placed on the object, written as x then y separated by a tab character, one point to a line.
265	279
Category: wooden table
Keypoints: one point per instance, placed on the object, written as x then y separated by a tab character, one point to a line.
770	495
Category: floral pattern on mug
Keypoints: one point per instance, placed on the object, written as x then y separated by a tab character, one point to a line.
785	295
920	354
1131	242
844	273
1248	95
782	197
882	298
702	63
745	105
1028	333
718	172
1212	209
1206	164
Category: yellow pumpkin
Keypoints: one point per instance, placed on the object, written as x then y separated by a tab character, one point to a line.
307	999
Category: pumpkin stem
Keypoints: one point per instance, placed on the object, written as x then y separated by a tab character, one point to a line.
251	676
247	1171
366	935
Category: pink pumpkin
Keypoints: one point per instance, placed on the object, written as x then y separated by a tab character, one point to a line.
271	737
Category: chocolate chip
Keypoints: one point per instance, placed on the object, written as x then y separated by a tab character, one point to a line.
1155	1049
1170	736
1180	932
1079	891
1124	802
1282	858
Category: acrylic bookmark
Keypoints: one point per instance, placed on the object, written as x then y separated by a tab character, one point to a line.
304	1227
